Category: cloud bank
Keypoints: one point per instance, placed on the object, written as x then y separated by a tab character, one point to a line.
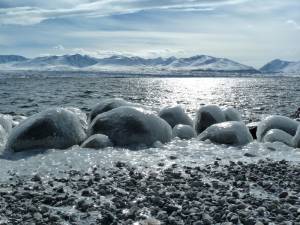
249	31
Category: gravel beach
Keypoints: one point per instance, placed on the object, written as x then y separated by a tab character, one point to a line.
267	192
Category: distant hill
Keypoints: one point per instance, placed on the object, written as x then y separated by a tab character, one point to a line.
11	58
281	66
125	63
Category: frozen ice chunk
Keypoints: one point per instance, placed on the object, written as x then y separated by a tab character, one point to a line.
207	116
230	133
276	135
184	131
53	128
129	126
175	115
6	122
276	122
97	141
296	139
109	104
231	114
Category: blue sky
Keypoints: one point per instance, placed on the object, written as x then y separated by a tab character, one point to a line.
249	31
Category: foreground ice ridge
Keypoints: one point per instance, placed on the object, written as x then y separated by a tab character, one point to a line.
116	122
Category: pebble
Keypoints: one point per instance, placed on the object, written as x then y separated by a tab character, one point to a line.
266	192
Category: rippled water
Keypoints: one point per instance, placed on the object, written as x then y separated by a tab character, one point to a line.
253	97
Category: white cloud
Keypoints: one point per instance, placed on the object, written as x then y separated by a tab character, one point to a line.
294	24
35	13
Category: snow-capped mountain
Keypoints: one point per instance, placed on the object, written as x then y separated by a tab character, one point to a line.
121	63
195	63
76	60
11	58
281	66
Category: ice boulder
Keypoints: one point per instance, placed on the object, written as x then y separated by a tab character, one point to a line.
207	116
6	121
276	135
109	104
184	131
130	126
231	114
175	115
276	122
97	141
230	133
296	138
53	128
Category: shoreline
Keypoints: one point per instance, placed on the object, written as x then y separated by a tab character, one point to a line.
266	192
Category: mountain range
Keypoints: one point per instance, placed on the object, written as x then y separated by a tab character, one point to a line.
122	63
281	66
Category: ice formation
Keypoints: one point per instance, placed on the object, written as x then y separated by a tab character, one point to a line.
109	104
230	133
3	136
130	126
6	121
207	116
97	141
276	135
175	115
276	122
231	114
17	120
53	128
296	138
184	131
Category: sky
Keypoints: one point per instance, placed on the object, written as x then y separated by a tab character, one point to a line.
252	32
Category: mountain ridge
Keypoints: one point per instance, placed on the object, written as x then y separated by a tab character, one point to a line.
124	63
281	66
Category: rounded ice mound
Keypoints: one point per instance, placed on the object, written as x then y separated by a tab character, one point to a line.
230	133
175	115
276	135
130	126
53	128
207	116
231	114
276	122
6	121
109	104
184	131
296	138
97	141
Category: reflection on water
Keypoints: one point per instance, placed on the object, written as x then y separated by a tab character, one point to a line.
252	96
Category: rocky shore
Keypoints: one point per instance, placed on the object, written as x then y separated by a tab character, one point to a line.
267	192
